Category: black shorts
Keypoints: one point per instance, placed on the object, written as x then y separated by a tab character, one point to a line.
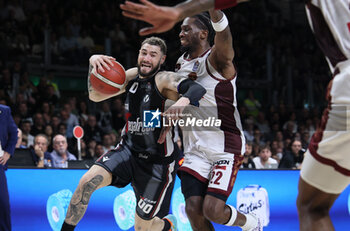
191	186
152	183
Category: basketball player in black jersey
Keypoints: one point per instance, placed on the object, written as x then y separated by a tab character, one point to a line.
149	166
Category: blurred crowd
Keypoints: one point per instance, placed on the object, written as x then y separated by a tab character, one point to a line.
277	131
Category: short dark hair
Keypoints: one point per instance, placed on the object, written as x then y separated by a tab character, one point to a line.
156	41
203	22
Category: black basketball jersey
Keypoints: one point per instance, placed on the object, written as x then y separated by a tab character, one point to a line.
143	106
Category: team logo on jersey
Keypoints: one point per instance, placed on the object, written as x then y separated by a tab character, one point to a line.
151	118
193	74
195	66
177	67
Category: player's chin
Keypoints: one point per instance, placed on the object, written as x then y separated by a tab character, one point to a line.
147	72
184	48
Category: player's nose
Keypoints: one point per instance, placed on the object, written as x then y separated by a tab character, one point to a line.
182	34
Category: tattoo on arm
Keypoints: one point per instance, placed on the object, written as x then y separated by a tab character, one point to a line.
173	79
80	199
176	80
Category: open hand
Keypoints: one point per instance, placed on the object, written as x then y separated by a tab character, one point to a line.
161	18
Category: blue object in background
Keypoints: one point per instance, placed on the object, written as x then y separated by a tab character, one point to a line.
349	204
178	209
30	189
124	209
56	208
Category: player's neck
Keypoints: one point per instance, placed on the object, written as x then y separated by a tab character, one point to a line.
198	52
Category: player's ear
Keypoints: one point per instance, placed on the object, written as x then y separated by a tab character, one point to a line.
203	34
162	59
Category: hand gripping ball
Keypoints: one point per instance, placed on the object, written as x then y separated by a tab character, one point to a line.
110	81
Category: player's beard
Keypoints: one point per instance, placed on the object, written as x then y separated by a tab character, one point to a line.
191	46
150	73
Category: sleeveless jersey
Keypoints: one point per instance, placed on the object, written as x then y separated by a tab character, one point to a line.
330	22
219	103
143	105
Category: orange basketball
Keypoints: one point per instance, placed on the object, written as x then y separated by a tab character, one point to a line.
110	81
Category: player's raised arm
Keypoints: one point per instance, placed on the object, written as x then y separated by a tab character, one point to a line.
101	63
163	18
222	53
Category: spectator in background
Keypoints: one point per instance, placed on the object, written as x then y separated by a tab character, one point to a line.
92	131
39	124
262	124
46	112
28	89
49	133
40	155
69	47
16	9
252	104
50	77
16	76
305	139
292	120
62	129
19	143
8	139
91	145
49	95
264	160
258	137
117	34
84	150
249	129
115	137
55	122
99	151
275	119
104	118
288	132
26	128
69	119
7	85
294	157
24	112
83	113
87	44
72	101
107	142
60	154
17	119
118	112
42	89
248	160
279	136
279	154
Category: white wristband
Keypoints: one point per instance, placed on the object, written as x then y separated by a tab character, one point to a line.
221	24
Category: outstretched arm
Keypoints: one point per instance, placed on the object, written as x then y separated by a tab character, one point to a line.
101	62
222	52
163	18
